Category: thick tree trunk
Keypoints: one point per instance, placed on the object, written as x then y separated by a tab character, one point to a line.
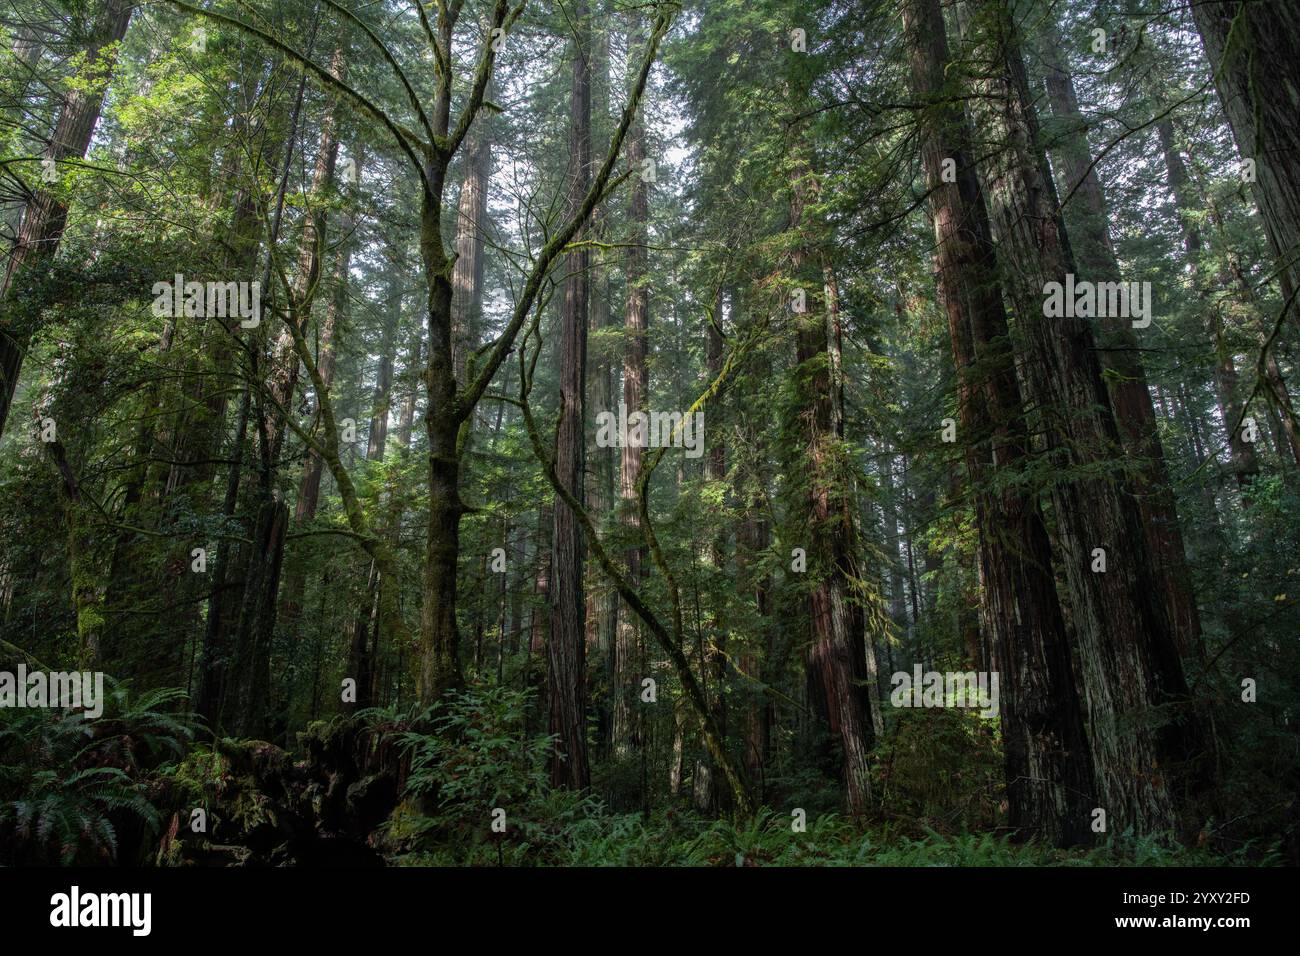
836	657
1087	216
1144	731
1049	771
1254	52
439	633
467	274
602	604
627	640
566	651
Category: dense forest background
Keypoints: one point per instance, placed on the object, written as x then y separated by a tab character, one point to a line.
369	584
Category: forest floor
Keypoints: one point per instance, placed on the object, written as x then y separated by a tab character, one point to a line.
346	799
466	784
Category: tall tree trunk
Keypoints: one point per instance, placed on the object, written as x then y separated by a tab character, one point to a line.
539	617
566	651
282	373
836	657
448	414
1254	50
195	436
467	274
440	668
715	637
627	641
46	215
1048	769
215	657
753	538
267	527
897	590
602	605
1087	216
251	691
1144	732
219	662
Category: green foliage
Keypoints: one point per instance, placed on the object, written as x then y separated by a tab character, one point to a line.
472	759
564	829
941	768
68	784
475	754
203	164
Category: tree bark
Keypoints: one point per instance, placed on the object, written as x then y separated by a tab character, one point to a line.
836	657
1087	216
1144	731
46	215
627	642
602	605
715	638
1048	767
1254	51
566	651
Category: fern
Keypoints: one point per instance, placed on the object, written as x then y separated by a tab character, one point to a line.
67	783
